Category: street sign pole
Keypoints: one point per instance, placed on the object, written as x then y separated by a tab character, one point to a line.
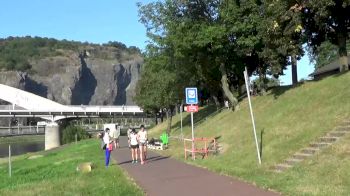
182	136
193	156
192	98
251	113
10	164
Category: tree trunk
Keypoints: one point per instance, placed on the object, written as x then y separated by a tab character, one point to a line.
226	88
262	77
343	55
216	101
169	119
294	70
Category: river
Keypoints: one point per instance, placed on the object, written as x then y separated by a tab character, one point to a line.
21	145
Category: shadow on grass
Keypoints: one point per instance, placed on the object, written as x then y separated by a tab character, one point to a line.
261	142
280	90
198	117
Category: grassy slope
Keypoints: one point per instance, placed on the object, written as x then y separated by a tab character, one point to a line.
289	119
55	174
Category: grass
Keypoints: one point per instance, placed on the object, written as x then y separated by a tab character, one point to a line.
287	120
55	173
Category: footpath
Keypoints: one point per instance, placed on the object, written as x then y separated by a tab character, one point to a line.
164	176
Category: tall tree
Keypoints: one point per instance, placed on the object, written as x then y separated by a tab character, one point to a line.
327	20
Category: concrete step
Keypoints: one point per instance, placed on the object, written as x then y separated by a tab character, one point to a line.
301	156
337	133
281	167
310	150
292	161
345	123
319	144
343	128
328	139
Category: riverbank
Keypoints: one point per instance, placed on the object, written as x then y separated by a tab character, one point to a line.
55	173
22	138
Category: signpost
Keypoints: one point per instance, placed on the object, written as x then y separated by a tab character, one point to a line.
251	112
192	98
10	164
181	110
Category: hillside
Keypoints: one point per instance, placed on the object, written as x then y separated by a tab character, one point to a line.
71	72
287	120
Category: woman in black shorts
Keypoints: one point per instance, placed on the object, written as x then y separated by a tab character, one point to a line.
134	145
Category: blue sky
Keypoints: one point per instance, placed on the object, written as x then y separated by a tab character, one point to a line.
86	20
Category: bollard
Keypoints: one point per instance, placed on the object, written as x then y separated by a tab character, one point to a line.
10	168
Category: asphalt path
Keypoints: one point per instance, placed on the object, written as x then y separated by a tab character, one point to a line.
164	176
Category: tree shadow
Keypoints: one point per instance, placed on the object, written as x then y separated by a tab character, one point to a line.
280	90
198	117
261	143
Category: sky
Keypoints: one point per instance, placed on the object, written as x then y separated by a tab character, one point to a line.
88	20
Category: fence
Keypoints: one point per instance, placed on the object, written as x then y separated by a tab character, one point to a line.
200	145
21	130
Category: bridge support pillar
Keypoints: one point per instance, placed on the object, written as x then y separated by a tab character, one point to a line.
52	136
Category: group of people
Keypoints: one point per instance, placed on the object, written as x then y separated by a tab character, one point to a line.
137	143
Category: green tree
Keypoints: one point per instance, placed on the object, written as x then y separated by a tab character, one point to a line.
327	20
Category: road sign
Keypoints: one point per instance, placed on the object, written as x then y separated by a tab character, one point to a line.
191	96
192	108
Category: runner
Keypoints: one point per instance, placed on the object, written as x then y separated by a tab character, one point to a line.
142	137
133	145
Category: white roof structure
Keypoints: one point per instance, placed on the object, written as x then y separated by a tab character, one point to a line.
36	106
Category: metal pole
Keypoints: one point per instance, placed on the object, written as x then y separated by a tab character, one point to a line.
76	138
251	113
182	136
10	169
192	136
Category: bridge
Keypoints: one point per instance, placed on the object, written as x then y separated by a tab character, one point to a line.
31	105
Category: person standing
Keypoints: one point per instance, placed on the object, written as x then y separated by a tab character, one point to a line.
116	134
107	146
128	132
142	137
134	145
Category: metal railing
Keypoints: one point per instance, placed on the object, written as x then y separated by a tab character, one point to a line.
21	130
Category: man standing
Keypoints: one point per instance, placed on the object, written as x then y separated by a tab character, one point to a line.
115	133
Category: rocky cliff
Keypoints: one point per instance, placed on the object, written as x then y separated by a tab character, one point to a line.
94	76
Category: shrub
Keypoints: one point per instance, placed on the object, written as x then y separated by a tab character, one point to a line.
68	134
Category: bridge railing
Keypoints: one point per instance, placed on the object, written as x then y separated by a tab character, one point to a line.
21	130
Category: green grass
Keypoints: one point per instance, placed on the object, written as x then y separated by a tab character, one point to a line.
287	120
55	173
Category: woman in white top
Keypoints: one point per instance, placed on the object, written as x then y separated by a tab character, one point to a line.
134	145
108	149
142	137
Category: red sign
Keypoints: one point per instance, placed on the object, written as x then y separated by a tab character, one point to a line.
192	108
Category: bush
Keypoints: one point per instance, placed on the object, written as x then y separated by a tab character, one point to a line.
68	134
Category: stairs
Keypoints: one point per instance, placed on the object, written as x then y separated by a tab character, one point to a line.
314	147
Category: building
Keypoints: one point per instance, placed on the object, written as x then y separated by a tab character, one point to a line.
327	70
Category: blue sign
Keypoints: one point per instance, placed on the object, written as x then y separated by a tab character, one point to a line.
191	96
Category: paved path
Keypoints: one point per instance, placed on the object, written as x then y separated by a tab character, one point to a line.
164	176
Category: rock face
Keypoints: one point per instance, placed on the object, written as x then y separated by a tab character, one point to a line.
80	78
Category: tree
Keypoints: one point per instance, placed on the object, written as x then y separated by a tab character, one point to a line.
327	20
159	87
